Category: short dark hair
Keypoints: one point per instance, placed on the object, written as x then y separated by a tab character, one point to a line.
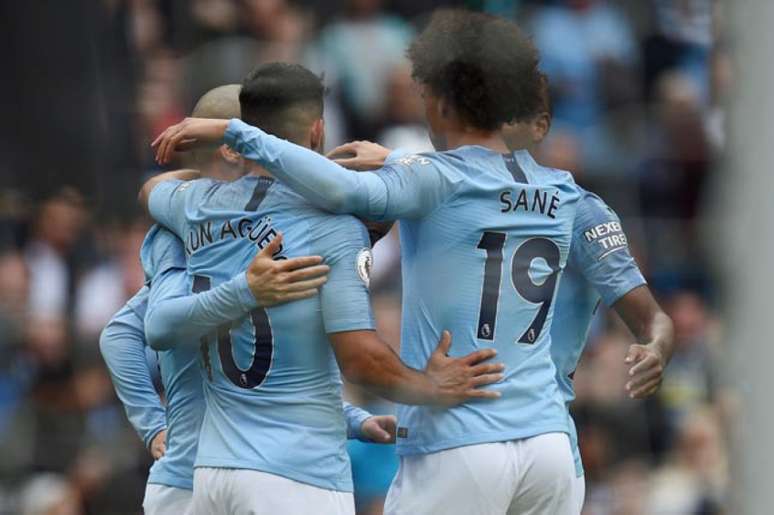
482	65
282	99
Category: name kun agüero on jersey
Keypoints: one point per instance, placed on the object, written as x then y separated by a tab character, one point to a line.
201	235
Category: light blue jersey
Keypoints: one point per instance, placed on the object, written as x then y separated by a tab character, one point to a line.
484	238
163	261
600	267
123	346
272	387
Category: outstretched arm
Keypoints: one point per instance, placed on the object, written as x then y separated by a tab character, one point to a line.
383	194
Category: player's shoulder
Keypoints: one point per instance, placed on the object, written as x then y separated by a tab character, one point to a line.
186	189
245	193
449	163
131	314
138	303
335	229
592	209
545	175
322	227
160	250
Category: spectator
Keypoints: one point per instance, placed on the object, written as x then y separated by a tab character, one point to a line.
57	227
357	53
403	117
49	494
577	39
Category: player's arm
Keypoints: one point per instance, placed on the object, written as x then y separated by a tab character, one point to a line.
122	346
600	251
368	361
363	156
150	184
654	331
405	192
362	425
363	357
176	316
164	198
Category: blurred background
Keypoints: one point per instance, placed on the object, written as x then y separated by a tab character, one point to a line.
638	91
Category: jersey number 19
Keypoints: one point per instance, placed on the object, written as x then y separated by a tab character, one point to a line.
537	293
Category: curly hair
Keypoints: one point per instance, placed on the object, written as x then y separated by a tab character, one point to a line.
484	66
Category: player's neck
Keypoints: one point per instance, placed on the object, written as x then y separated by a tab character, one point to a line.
224	172
490	140
258	170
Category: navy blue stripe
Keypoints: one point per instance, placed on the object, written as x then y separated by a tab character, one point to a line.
513	166
259	193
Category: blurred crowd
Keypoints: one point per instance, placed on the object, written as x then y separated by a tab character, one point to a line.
637	90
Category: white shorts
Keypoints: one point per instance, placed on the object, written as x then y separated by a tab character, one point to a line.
579	492
166	500
531	476
221	491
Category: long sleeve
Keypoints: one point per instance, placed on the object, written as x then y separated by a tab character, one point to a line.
407	189
355	417
122	346
175	316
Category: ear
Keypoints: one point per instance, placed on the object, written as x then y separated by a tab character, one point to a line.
229	155
540	127
317	135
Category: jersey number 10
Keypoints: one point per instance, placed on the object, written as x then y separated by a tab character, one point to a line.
537	293
262	351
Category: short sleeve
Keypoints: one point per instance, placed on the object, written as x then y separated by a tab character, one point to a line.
166	204
600	250
414	186
344	298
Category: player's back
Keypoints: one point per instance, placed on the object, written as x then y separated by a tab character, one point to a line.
485	264
273	387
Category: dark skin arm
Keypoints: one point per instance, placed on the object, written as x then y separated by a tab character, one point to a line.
655	336
368	361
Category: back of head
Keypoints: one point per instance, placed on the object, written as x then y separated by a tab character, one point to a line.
221	103
482	66
282	99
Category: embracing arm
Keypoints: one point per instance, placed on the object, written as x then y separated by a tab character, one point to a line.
122	347
654	331
180	175
405	194
323	182
368	361
176	316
